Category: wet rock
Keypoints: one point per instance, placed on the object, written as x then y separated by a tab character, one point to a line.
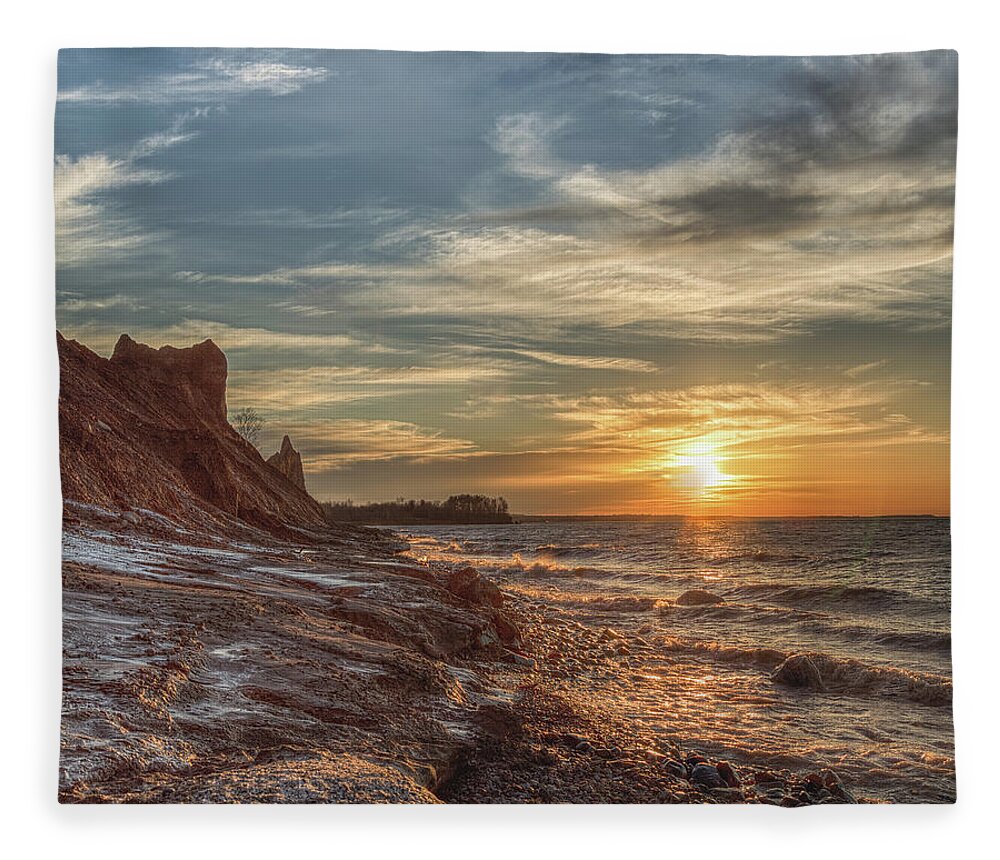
488	637
675	768
799	670
830	778
813	780
728	774
727	795
698	597
467	584
544	756
708	776
521	660
506	629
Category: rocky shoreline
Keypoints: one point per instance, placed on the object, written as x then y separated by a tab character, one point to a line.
202	669
550	750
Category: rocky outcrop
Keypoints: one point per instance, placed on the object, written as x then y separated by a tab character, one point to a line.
288	461
698	597
195	377
147	429
236	672
466	583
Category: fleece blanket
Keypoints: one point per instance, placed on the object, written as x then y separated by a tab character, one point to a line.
505	428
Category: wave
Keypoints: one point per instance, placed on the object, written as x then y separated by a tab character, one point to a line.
554	550
518	563
618	604
762	557
765	658
906	640
802	594
917	639
760	614
824	673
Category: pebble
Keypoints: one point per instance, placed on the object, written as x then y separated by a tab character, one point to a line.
728	774
675	768
708	776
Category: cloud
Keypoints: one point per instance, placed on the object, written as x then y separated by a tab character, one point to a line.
341	442
102	338
300	389
523	139
867	367
213	80
589	362
824	209
89	227
765	419
76	305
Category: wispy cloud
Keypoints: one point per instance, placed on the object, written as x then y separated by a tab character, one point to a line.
90	227
208	81
341	442
102	337
589	362
867	367
293	390
73	305
87	226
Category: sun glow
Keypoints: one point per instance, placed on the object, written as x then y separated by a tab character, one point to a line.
698	469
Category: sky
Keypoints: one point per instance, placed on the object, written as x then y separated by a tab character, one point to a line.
686	284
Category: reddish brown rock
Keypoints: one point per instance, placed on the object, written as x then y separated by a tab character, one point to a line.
196	376
288	461
147	429
467	584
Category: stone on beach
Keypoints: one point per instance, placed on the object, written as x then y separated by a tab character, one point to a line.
708	776
799	671
467	584
698	597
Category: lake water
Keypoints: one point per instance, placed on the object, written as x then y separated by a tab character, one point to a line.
868	600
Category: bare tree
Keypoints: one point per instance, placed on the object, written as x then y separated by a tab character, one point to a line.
248	423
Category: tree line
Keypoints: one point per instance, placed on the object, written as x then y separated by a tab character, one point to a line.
464	508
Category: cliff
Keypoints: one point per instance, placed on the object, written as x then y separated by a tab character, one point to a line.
147	430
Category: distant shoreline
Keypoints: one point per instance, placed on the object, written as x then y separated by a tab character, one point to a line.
525	519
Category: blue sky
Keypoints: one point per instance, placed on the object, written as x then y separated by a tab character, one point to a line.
563	278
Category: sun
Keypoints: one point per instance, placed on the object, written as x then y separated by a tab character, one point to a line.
705	471
698	469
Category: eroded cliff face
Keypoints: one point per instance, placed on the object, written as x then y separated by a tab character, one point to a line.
288	461
147	429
